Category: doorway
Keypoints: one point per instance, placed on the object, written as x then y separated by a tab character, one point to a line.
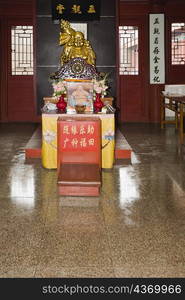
133	69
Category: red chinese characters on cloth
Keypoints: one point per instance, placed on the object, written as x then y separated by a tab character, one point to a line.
79	136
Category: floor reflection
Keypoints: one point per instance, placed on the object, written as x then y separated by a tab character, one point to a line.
22	186
135	158
129	186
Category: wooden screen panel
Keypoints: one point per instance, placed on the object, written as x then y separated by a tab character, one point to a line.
20	85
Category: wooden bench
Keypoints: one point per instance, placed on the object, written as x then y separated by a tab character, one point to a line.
78	156
176	103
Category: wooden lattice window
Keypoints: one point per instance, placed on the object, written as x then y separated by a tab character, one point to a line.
128	48
178	43
22	50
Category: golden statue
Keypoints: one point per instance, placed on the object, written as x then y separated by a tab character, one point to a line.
75	45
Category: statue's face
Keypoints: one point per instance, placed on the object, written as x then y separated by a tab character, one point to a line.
79	39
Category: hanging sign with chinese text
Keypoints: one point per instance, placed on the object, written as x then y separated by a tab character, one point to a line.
157	59
76	10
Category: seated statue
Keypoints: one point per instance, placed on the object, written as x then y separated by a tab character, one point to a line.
75	45
80	97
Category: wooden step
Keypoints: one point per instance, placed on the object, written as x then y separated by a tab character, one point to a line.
76	179
122	148
33	147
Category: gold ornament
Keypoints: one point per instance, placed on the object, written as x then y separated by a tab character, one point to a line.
75	45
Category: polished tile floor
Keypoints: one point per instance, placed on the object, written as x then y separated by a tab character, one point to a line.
136	228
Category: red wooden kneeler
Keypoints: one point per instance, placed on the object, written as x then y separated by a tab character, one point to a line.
79	156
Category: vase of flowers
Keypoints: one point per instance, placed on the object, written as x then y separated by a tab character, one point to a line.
98	103
61	104
100	90
59	91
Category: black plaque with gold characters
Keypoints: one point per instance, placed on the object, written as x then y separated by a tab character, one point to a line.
76	10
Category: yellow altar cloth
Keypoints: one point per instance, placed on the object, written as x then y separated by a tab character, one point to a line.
49	138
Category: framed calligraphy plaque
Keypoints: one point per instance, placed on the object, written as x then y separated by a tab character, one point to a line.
157	58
